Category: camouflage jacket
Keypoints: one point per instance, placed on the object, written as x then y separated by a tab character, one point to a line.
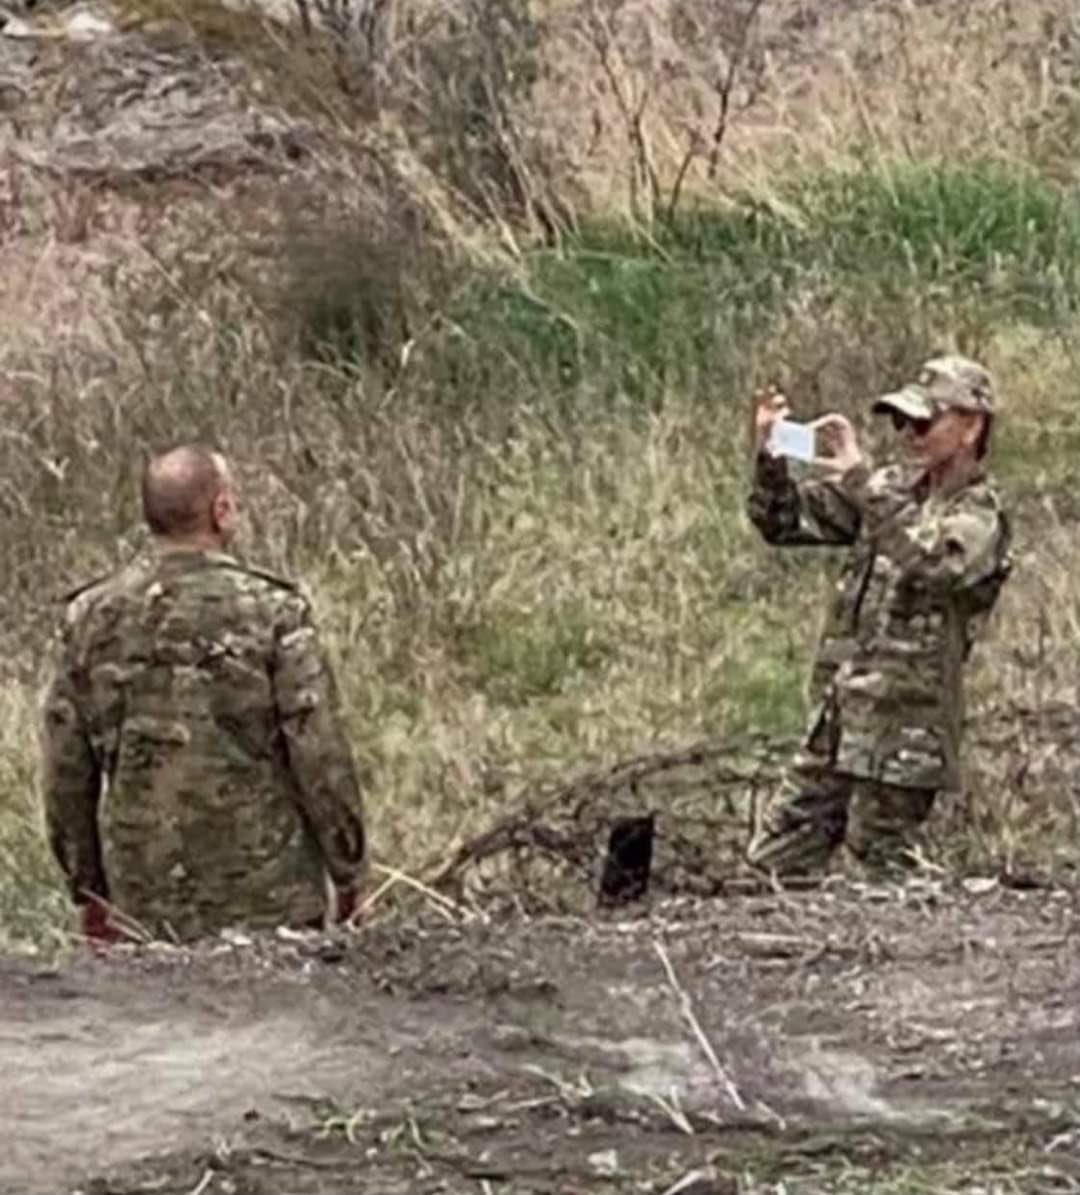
195	770
924	572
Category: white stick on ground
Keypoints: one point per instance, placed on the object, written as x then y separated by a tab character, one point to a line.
706	1045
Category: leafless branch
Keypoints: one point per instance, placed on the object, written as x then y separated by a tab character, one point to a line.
633	114
736	57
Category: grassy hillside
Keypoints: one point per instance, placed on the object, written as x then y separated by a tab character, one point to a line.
489	397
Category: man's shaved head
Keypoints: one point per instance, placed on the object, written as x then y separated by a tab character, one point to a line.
179	488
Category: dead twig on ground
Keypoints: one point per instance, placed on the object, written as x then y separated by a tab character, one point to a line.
442	904
203	1183
672	1109
297	1160
687	1009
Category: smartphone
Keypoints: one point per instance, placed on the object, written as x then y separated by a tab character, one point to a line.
795	440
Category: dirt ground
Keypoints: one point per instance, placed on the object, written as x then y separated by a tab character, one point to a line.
830	1040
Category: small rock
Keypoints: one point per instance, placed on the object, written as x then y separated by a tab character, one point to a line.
235	938
605	1161
16	27
85	25
287	934
512	1038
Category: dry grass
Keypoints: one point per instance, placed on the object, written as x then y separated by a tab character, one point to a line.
521	518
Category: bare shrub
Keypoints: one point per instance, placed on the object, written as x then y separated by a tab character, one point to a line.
357	280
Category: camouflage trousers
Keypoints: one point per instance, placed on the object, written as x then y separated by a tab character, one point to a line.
817	808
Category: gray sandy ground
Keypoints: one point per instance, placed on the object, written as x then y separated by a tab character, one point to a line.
551	1055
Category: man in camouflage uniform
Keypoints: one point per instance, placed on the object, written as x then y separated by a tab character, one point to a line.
195	771
930	551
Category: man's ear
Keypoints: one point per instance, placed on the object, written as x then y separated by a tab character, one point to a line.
223	510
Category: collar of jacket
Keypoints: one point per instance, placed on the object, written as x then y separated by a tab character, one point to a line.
179	555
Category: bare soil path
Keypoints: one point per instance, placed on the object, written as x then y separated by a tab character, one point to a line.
846	1036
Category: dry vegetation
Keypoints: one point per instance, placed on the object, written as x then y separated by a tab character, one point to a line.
482	354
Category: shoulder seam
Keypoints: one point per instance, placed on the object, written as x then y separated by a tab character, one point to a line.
262	574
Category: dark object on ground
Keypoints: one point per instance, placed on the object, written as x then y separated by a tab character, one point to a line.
625	877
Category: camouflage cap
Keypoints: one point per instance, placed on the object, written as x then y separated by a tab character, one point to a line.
943	383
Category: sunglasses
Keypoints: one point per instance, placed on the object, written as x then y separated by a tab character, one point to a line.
919	426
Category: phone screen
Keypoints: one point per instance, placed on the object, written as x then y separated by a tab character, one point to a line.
794	440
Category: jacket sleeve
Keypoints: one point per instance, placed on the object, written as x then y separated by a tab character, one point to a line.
71	777
808	512
319	756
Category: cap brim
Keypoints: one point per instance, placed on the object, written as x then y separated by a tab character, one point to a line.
907	402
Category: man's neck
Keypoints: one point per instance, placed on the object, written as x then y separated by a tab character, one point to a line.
197	541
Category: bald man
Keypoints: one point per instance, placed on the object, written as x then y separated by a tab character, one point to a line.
195	771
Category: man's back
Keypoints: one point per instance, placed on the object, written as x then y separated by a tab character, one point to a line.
210	722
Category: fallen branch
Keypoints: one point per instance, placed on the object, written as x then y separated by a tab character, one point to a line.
525	827
687	1009
443	904
203	1183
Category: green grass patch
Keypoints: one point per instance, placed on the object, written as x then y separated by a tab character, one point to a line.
34	910
515	656
614	312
